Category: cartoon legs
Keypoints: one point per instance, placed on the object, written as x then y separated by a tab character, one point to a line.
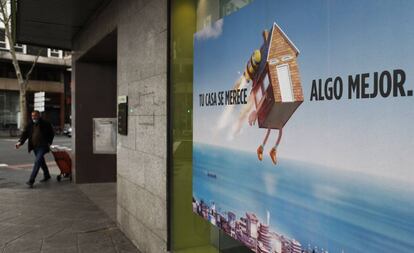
272	152
260	148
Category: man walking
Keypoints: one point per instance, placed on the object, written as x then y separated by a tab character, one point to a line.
40	134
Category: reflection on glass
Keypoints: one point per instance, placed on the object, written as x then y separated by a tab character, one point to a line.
227	7
189	232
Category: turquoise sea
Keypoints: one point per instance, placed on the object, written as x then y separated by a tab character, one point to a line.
318	206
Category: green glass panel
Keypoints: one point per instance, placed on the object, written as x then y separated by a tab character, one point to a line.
191	233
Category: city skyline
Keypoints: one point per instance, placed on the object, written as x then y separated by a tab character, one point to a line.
252	231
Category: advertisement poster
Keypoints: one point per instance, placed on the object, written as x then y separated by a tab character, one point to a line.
303	126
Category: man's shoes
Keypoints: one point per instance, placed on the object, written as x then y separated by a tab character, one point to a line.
273	155
45	179
30	183
260	152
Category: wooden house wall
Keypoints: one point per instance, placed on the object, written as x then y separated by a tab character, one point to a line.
281	47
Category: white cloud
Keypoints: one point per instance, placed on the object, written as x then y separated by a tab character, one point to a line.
211	31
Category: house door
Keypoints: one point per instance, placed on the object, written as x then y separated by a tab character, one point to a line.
285	83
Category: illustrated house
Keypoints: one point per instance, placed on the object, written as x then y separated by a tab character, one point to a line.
276	84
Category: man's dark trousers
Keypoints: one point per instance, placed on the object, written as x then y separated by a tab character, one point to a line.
40	162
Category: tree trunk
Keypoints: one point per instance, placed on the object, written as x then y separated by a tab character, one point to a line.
5	18
23	107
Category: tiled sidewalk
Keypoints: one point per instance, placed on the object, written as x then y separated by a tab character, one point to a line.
53	217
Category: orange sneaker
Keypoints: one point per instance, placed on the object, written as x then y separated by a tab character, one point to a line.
260	152
272	154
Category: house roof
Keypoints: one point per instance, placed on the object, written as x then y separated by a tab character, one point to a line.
286	37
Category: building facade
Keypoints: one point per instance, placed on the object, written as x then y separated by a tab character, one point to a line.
51	74
140	50
133	63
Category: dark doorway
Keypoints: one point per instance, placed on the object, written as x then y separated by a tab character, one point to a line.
94	97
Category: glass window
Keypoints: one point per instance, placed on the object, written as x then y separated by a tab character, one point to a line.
56	53
9	107
190	233
20	48
3	44
229	6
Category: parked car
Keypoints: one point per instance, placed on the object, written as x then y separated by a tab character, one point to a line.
67	130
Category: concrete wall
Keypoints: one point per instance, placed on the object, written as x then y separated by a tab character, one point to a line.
141	74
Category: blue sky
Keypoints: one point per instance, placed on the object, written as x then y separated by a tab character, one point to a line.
336	38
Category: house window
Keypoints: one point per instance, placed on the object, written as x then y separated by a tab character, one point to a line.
258	95
56	53
266	82
273	61
287	57
261	91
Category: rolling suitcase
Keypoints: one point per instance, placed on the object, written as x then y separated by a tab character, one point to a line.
63	161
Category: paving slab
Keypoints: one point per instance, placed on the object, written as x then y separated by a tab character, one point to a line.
54	217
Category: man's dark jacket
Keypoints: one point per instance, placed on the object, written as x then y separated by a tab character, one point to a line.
47	133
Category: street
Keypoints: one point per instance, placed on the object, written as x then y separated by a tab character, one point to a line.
9	156
53	216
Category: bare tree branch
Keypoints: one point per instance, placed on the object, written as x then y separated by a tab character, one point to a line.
33	65
3	5
6	21
23	82
7	26
5	17
2	14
